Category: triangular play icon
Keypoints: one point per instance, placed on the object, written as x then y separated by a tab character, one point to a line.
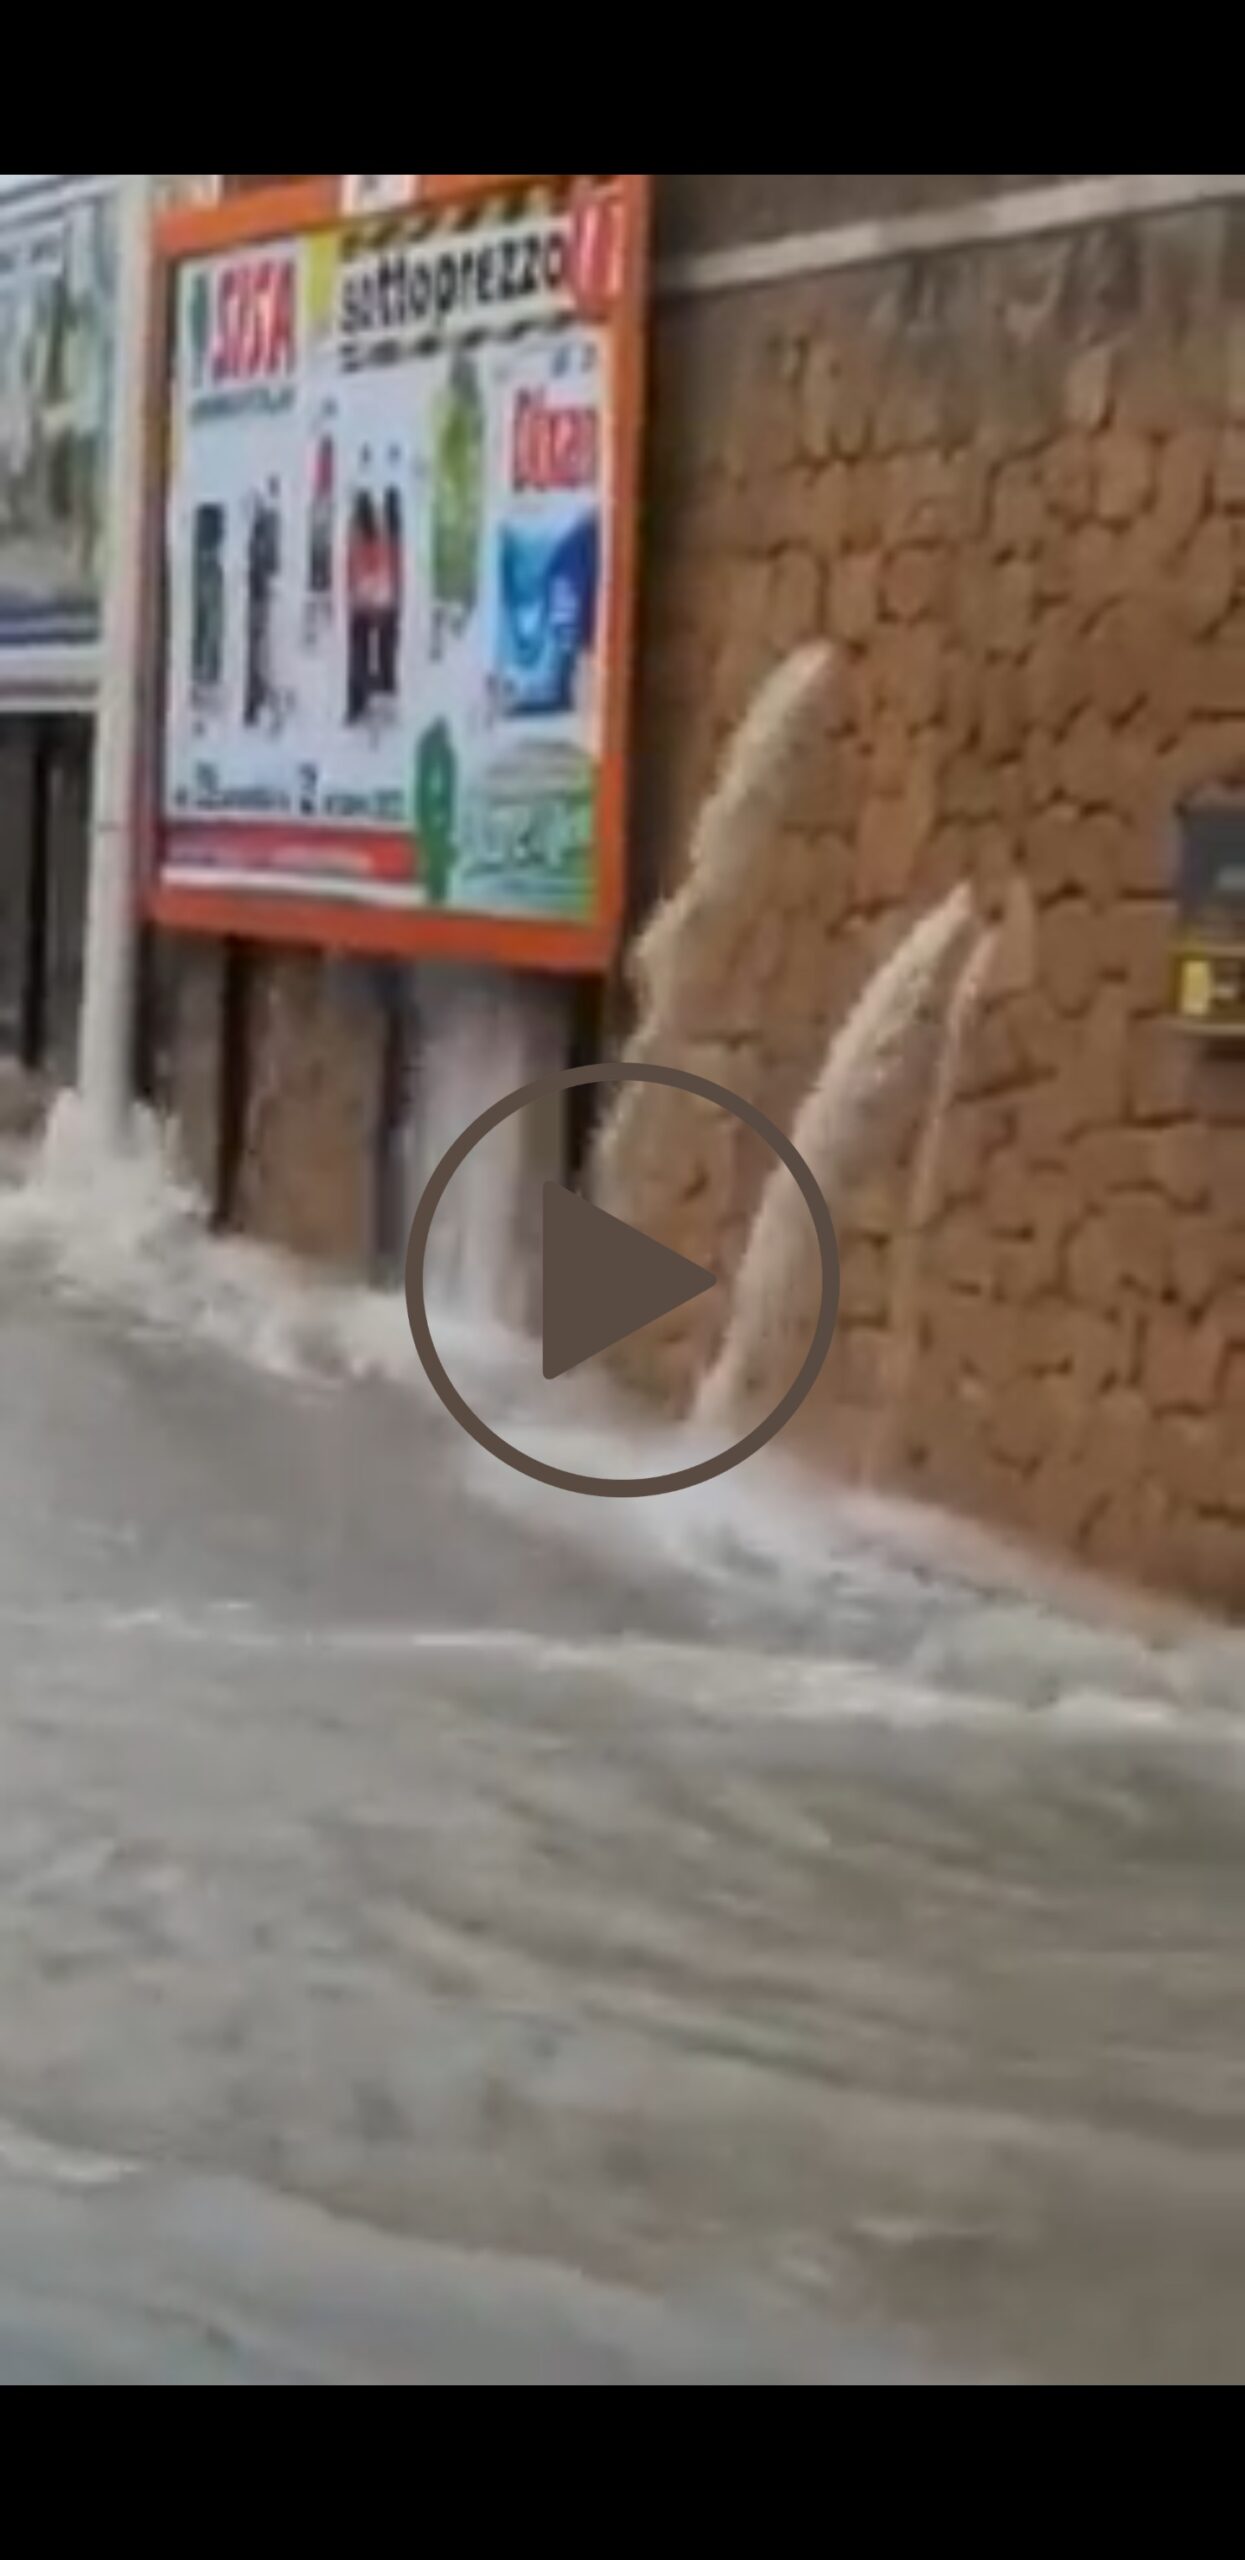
604	1281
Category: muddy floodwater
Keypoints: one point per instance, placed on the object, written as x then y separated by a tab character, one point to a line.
452	1933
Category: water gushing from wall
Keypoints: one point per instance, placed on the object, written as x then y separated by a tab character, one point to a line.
903	1343
697	933
685	966
478	1038
847	1118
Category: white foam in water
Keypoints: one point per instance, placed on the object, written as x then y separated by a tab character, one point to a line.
905	1615
122	1229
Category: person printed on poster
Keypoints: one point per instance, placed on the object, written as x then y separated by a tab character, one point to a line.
363	596
322	535
393	585
375	589
208	607
263	576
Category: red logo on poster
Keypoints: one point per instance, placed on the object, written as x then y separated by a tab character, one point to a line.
255	338
598	252
554	448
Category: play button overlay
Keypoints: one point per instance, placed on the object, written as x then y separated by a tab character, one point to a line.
604	1282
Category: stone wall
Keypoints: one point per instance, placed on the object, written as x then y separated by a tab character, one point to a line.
699	213
1010	485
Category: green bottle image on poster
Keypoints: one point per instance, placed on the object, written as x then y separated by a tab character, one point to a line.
436	812
458	499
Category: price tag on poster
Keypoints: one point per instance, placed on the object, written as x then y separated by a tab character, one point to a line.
401	511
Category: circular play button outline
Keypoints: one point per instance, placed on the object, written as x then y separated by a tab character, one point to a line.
623	1488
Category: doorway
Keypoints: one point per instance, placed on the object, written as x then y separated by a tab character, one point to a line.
45	809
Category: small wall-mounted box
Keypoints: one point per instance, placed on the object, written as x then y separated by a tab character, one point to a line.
1209	975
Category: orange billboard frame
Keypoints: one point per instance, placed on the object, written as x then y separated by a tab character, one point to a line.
321	920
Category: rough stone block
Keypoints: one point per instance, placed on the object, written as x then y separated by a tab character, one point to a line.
1230	470
1002	712
1138	941
1069	953
1088	389
1040	766
1010	609
1183	1363
1180	1163
827	509
1206	578
866	1295
1110	1159
1020	1423
818	398
307	1176
1056	675
923	499
1182	489
1087	762
960	1253
1123	476
855	597
795	608
1093	1267
911	660
1017	516
1053	860
894	834
914	584
1139	1226
891	757
1118	1450
1200	1259
1062	1502
1068	477
1161	1073
1191	1460
1099	570
1215	677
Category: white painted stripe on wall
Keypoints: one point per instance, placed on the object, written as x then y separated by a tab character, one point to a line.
1029	213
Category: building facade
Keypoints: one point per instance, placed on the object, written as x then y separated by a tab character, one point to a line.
987	436
59	291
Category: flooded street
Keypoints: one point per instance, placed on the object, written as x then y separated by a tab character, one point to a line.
453	1932
622	848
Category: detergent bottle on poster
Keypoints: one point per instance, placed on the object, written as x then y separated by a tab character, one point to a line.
458	499
551	547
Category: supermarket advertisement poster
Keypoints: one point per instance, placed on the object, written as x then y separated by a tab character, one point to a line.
397	462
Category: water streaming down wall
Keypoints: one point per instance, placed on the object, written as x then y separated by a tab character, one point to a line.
663	1161
903	1341
874	1064
685	964
680	961
478	1037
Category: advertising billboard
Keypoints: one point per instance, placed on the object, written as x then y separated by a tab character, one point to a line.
57	316
400	504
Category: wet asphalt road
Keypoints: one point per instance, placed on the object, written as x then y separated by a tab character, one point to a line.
449	1938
